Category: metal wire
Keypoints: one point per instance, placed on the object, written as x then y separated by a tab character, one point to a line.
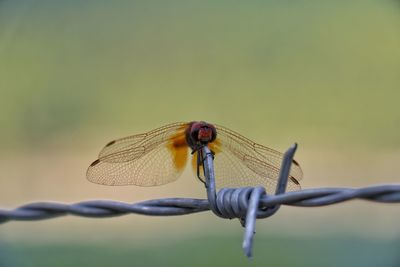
245	203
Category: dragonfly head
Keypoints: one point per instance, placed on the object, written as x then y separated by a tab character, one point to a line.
202	132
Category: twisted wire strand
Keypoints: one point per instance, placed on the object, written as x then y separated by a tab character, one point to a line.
387	193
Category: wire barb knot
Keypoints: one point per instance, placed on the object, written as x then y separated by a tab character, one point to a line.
244	203
234	202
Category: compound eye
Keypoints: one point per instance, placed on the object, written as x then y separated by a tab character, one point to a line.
195	135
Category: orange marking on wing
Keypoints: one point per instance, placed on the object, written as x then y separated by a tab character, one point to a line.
179	149
215	146
194	162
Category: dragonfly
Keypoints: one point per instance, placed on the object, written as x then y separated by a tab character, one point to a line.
160	156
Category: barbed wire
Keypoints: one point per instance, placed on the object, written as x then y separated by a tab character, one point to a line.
246	203
388	193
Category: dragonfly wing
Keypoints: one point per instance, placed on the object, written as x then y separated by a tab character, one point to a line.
134	146
268	154
154	158
242	162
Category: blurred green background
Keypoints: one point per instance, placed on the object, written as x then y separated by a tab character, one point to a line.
77	74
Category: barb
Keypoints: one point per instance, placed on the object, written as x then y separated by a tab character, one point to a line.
243	203
247	203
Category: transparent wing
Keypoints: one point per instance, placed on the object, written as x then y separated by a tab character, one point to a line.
134	146
241	162
153	158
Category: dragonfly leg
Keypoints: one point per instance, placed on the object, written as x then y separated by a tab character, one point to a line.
199	163
202	158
